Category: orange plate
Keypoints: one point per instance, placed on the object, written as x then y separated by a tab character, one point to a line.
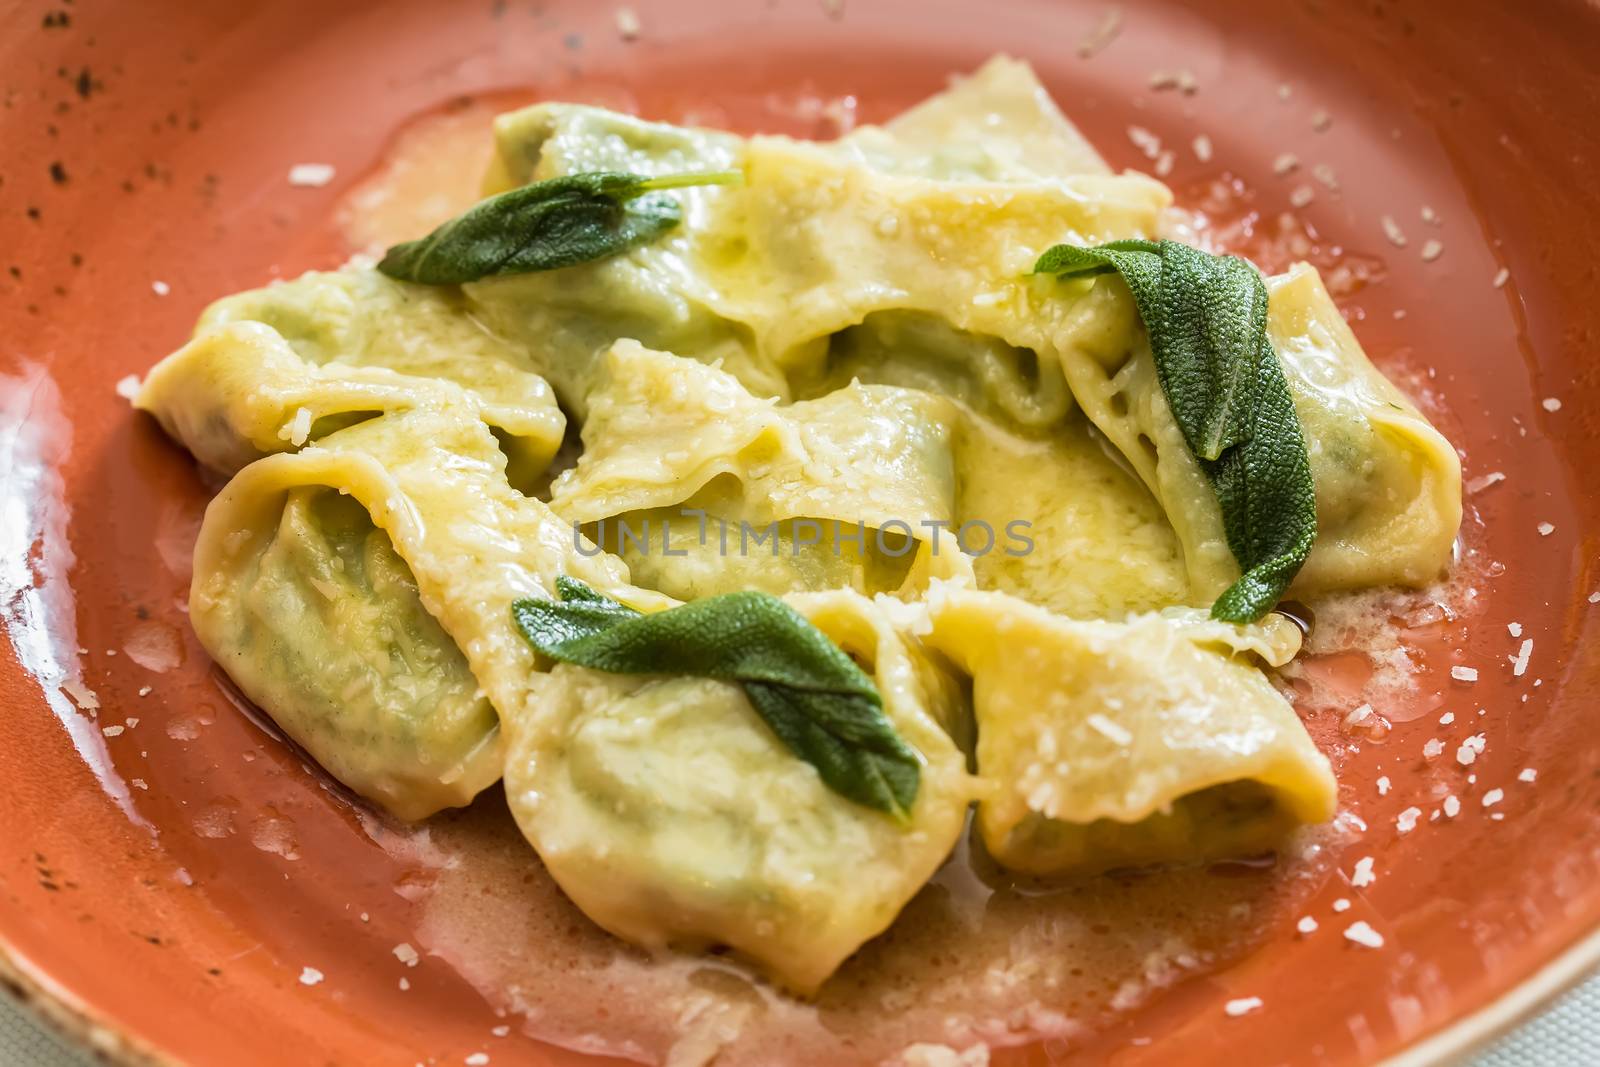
145	143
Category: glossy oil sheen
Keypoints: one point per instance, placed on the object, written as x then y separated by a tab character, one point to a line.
193	859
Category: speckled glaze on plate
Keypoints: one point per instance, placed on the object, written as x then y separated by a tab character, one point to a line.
165	886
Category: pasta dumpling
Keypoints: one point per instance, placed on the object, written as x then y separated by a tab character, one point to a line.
837	381
838	239
1388	485
893	276
747	494
365	318
995	124
240	391
673	816
1120	744
360	589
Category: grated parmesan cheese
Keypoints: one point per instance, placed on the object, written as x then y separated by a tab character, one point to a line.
1464	674
1362	876
1182	80
81	695
310	976
1362	933
298	429
628	25
1359	715
1493	797
1109	729
1145	141
1406	821
1306	925
1104	32
1519	663
1479	484
311	175
1452	806
1242	1006
1391	230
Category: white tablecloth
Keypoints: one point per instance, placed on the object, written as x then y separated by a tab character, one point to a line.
1569	1033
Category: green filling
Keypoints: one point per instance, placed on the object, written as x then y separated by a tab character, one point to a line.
1230	820
335	640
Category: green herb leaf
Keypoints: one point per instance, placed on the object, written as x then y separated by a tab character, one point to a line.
556	223
1207	320
811	694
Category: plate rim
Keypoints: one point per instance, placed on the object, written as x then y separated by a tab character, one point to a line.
94	1032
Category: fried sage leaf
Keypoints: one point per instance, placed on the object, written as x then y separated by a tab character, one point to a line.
1207	320
556	223
812	695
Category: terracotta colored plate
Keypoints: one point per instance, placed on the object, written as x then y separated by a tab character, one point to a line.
164	886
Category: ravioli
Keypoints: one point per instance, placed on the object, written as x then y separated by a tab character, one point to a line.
1123	744
670	813
240	391
1097	544
655	294
360	591
920	350
859	251
836	490
838	382
996	124
839	239
324	624
1388	485
362	318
